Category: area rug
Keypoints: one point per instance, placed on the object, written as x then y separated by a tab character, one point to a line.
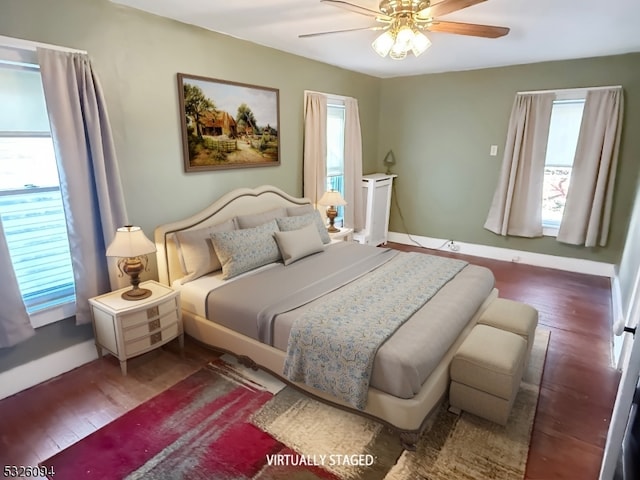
226	422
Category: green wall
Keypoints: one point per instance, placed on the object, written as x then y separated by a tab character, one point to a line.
441	126
136	56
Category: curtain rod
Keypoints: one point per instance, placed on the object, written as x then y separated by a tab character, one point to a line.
31	45
329	96
567	90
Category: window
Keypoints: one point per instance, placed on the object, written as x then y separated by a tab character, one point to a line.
335	151
566	118
30	200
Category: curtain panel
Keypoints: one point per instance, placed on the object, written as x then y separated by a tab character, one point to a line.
354	211
315	146
516	208
587	212
15	325
89	177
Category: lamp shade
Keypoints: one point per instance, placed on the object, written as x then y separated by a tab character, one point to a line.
332	198
129	242
383	43
419	44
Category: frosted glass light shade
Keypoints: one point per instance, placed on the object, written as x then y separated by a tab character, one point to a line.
404	35
383	43
420	44
398	51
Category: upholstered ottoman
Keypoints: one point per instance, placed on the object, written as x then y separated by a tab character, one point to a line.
514	317
486	372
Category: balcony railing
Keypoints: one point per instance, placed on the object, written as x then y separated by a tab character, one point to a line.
35	227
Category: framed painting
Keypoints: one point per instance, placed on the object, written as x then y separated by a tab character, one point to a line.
228	124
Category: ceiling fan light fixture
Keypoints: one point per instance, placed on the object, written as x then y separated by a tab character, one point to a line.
403	22
382	45
402	36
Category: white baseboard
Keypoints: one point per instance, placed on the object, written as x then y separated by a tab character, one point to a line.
618	316
577	265
45	368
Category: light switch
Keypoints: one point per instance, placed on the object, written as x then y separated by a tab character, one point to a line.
494	150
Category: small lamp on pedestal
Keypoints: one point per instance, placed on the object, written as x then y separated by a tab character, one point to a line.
132	246
332	199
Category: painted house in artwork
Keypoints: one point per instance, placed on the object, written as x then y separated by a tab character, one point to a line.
219	123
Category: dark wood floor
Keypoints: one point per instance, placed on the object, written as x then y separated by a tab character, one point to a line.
577	395
578	384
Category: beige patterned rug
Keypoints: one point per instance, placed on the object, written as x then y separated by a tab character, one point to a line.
454	447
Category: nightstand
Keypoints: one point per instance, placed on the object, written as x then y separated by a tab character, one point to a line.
344	235
127	328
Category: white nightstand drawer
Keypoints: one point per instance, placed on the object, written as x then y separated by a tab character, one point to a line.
148	314
127	328
144	329
155	339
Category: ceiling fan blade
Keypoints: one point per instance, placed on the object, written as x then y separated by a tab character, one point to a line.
309	35
471	29
445	7
352	7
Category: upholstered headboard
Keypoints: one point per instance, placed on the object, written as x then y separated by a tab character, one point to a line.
242	201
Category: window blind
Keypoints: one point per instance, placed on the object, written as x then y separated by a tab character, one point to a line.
35	228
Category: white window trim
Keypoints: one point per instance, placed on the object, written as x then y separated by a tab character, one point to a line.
52	314
18	44
550	231
332	98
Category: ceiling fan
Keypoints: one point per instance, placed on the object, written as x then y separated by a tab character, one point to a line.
403	21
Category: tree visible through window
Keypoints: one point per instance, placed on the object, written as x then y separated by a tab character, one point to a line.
566	118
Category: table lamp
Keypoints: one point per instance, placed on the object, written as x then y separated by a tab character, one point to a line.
332	199
132	246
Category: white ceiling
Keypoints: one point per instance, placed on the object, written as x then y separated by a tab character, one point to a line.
540	30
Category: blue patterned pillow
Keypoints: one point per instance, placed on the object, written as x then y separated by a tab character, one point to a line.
286	224
242	250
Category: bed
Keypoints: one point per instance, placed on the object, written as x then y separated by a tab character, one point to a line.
408	373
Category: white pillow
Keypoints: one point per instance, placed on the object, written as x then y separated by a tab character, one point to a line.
243	250
257	219
286	224
297	244
299	210
195	250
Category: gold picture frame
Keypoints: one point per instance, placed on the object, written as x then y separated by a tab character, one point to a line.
228	124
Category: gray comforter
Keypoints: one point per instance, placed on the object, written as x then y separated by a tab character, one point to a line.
265	305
